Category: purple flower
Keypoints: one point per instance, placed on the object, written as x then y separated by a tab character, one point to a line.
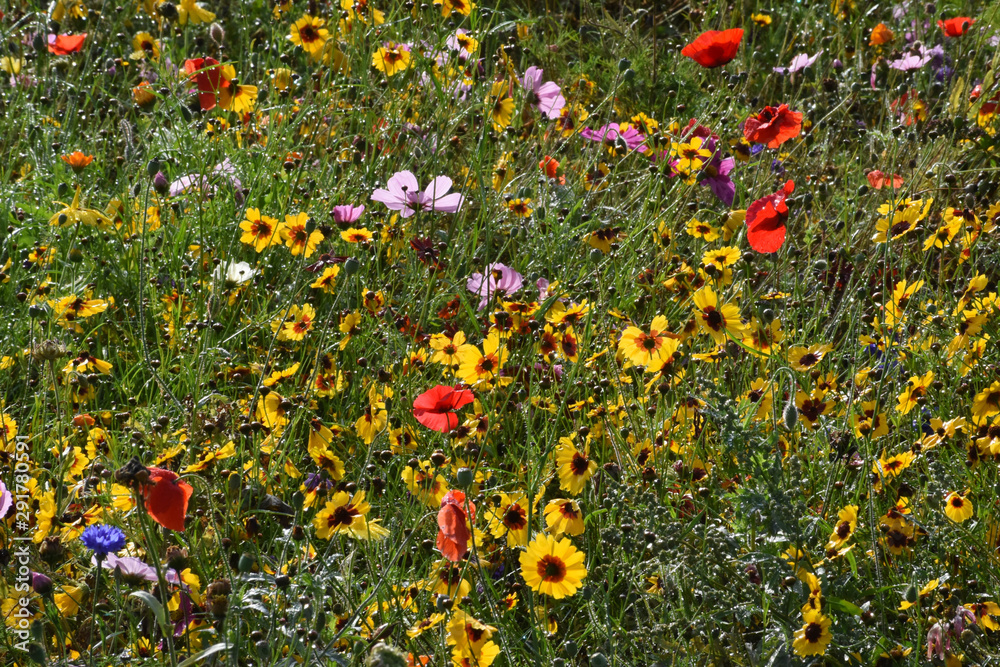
715	175
962	616
404	194
499	279
40	583
799	63
937	642
346	213
613	135
456	45
911	61
103	539
134	570
6	500
545	97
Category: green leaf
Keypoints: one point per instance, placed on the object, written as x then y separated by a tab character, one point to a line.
844	606
197	657
154	606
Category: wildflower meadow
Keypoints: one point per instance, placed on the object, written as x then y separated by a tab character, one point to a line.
548	333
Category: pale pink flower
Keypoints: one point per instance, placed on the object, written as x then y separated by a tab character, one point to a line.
402	193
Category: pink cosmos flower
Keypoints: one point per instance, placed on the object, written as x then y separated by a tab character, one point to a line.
912	60
346	213
224	171
614	133
403	194
545	97
799	63
499	279
6	500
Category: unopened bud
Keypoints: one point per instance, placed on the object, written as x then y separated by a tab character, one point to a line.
160	183
384	655
790	414
217	34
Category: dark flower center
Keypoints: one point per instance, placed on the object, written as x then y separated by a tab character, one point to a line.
551	569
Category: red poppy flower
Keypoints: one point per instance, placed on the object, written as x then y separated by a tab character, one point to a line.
773	126
435	407
957	26
63	45
714	48
766	220
878	180
550	166
166	498
208	75
453	534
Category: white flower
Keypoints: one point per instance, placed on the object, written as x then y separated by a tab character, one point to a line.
235	273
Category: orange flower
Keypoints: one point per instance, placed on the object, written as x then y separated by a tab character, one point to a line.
550	166
143	95
77	160
881	35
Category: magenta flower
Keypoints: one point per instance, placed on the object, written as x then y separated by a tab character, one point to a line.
799	63
546	97
6	500
404	194
715	175
613	134
346	213
499	279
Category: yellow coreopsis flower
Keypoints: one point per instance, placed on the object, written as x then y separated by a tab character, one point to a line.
958	508
391	59
309	33
260	231
553	567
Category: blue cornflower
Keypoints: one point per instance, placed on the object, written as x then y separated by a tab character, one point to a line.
103	539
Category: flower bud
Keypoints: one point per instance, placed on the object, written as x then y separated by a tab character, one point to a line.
217	34
160	183
384	655
41	584
790	414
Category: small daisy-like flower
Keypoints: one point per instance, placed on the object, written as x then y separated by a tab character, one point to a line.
563	516
391	58
701	230
260	231
298	238
574	467
958	508
553	567
814	636
309	33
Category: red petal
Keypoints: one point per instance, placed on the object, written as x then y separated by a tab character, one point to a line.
166	498
442	422
63	45
714	48
453	534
